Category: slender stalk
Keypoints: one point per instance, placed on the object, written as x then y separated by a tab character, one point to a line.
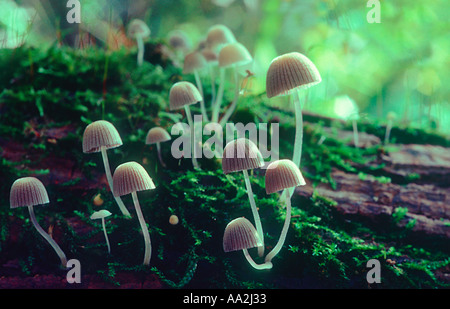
254	212
266	265
232	107
198	81
141	48
213	83
282	239
106	235
388	132
119	202
298	142
218	102
148	246
355	133
158	149
193	148
47	237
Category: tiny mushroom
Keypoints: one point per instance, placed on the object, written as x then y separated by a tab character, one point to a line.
193	63
218	36
288	74
102	214
390	118
98	137
242	155
138	30
240	234
182	94
129	178
281	175
157	135
29	192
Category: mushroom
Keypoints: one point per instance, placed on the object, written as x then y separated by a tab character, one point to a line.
218	36
102	214
288	74
182	94
138	30
157	135
242	155
390	118
128	178
212	62
240	234
98	137
29	191
280	175
234	56
193	63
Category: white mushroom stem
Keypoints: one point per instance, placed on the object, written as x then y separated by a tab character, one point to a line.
106	235
141	48
355	133
148	246
122	207
284	231
255	213
388	131
298	143
218	102
198	81
158	149
193	147
233	105
213	84
266	265
47	237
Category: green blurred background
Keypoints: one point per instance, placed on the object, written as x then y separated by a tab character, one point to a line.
399	65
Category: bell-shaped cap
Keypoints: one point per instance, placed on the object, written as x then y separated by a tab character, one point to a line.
283	174
219	35
234	54
210	56
241	154
138	29
157	135
98	134
183	93
131	177
101	214
27	191
194	61
179	40
290	72
240	234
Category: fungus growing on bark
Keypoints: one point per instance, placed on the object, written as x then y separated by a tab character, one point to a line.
102	214
138	30
128	178
158	135
29	192
100	136
242	155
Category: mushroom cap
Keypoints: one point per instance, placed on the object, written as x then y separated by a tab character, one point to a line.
283	174
241	154
183	93
240	234
234	54
210	55
138	29
27	191
290	72
157	135
131	177
194	61
178	39
100	133
103	213
219	35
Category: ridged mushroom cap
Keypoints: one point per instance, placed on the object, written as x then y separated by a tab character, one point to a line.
240	234
210	55
138	28
219	35
103	213
289	72
100	133
194	61
241	154
131	177
27	191
157	135
183	93
283	174
234	54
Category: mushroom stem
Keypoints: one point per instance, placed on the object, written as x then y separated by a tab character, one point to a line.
218	102
122	207
198	81
388	132
355	133
148	246
158	149
193	147
141	48
266	265
106	235
298	143
232	107
254	212
213	84
47	237
287	221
